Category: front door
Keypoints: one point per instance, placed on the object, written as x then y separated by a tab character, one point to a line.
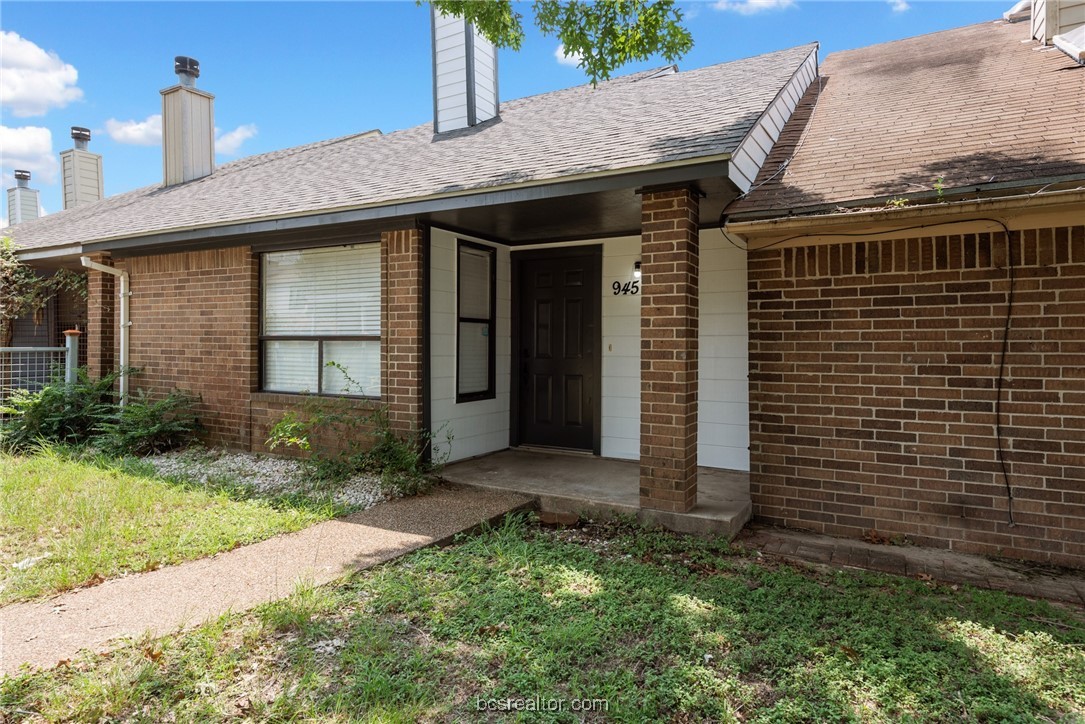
558	341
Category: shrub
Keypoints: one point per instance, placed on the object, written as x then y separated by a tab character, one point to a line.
363	443
61	413
88	412
144	426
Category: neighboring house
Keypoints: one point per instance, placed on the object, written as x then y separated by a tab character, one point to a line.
552	271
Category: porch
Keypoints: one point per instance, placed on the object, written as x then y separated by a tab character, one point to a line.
579	483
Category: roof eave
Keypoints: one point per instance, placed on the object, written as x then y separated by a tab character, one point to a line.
1017	211
651	175
876	203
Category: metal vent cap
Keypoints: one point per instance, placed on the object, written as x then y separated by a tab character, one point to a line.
183	65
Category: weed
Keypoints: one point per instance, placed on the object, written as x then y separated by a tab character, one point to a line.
343	440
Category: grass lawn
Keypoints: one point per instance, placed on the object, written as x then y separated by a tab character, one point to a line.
77	522
660	627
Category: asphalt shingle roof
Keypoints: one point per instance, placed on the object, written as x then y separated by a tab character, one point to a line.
975	105
630	122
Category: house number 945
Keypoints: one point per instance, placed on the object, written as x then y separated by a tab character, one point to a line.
627	288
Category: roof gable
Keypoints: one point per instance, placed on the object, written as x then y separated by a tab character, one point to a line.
972	106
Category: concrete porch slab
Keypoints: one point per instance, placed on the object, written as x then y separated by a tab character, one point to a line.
598	487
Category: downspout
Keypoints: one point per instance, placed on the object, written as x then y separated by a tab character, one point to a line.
124	324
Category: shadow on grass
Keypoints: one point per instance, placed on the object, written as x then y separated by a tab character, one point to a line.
654	625
660	626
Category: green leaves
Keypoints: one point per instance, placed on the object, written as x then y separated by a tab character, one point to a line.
605	34
495	19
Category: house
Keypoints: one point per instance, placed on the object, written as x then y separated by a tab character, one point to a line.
678	268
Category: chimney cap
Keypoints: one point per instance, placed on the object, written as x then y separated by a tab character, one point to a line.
22	175
80	134
183	65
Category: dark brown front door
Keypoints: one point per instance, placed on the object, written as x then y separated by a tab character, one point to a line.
558	340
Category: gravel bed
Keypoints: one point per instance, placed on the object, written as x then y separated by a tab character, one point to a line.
265	475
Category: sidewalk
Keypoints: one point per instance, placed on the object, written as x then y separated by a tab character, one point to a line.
42	633
1020	577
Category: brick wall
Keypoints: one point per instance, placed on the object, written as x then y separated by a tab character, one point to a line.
669	313
873	368
267	408
71	313
101	327
194	327
401	327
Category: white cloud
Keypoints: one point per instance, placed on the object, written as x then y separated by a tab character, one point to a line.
751	7
30	148
147	132
899	6
572	61
32	80
230	143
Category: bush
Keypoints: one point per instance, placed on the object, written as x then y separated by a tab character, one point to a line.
363	443
145	426
88	412
67	414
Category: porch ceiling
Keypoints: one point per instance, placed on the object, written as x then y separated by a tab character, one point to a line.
611	212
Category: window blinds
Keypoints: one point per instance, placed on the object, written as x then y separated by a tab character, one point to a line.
324	294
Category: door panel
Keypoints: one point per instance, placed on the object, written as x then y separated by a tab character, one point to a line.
559	328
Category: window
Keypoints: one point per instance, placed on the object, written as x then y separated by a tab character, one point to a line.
475	331
321	306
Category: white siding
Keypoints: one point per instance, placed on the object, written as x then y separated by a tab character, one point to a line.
477	427
485	79
723	431
82	173
621	353
482	427
188	134
22	205
450	74
1071	15
750	155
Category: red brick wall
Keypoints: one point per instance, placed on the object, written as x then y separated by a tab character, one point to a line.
267	408
194	327
401	327
872	391
71	313
101	327
668	358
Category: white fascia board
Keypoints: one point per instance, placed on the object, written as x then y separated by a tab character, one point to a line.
1072	43
783	105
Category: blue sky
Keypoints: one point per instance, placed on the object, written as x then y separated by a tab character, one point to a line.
288	73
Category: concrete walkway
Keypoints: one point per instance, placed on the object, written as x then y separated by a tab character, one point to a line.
42	633
1020	577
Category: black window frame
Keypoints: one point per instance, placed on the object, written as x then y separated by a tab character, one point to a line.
490	392
262	338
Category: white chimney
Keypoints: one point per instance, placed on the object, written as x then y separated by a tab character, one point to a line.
464	75
22	200
82	171
188	126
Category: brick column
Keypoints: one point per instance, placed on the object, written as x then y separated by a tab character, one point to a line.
101	323
668	349
401	327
